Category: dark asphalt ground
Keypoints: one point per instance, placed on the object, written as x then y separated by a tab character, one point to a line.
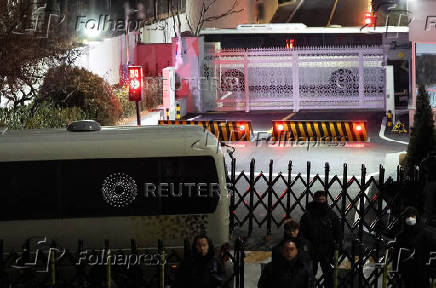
372	154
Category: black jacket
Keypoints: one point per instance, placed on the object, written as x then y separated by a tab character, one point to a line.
322	228
281	273
199	271
412	262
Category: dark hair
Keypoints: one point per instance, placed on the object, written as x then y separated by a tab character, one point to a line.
211	251
290	224
319	194
409	211
286	240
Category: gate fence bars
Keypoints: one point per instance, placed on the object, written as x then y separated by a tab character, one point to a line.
367	206
368	210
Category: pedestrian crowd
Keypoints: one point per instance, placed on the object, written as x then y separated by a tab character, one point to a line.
310	243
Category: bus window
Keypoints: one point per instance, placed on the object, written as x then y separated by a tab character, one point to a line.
86	183
107	187
195	179
28	190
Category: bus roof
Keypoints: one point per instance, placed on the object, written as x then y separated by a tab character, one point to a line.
109	142
289	28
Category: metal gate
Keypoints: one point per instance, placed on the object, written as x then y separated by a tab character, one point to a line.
298	78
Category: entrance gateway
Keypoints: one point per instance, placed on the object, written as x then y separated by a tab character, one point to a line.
298	78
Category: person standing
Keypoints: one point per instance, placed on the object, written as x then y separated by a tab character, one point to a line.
289	270
412	250
202	269
321	227
291	230
428	166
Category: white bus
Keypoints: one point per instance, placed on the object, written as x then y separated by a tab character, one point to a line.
104	184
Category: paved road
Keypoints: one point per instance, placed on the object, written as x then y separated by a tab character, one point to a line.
373	154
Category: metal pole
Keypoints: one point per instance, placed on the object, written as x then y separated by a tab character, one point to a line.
237	262
162	270
232	197
52	269
241	264
344	196
335	279
307	183
251	204
288	196
138	114
159	268
361	218
108	274
269	207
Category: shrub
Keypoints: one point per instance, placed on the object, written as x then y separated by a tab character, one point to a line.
421	137
42	115
69	87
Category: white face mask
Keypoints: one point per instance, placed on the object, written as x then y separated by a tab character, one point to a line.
410	221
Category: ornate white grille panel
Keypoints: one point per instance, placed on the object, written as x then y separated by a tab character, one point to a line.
303	78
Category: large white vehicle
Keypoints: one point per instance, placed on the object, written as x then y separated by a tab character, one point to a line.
114	183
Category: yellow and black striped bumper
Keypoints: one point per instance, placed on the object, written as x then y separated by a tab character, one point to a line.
223	130
307	130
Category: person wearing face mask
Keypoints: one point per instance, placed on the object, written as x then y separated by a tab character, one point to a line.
287	270
322	228
201	269
412	251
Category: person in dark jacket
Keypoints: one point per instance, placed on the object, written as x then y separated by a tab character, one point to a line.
321	227
412	250
291	230
290	270
428	168
202	269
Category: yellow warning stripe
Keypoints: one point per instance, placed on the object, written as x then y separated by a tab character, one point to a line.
294	131
332	131
321	130
326	132
341	133
318	134
303	134
309	130
349	134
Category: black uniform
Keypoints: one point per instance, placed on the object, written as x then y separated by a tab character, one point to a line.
281	273
412	262
430	203
200	271
321	227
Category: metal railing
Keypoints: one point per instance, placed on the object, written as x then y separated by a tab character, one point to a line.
367	207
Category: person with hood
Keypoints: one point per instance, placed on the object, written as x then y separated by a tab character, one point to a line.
412	251
428	167
291	229
201	269
288	270
321	227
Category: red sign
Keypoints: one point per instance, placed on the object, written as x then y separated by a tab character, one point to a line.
135	83
368	19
